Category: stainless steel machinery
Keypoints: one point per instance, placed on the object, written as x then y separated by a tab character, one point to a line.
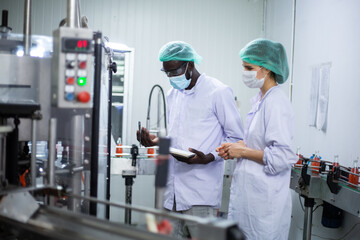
327	181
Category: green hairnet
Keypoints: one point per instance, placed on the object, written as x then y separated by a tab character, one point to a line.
268	54
179	51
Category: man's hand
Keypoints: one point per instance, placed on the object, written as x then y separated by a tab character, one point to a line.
147	139
199	158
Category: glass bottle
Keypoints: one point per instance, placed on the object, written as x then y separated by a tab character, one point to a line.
354	179
316	163
151	152
299	161
336	162
119	149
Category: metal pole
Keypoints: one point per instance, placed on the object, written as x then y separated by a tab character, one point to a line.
129	176
77	14
108	167
309	204
2	158
94	164
292	52
52	152
71	13
76	153
12	149
27	27
128	195
264	18
3	123
33	152
87	183
158	113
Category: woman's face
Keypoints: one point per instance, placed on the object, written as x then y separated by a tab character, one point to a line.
261	72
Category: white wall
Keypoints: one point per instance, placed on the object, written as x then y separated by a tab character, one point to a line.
278	28
216	29
326	31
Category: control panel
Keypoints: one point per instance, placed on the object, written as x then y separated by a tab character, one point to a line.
72	68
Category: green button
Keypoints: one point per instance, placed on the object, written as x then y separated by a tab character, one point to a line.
82	81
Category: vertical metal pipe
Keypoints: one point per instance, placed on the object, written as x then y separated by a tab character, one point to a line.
108	167
71	13
3	122
33	152
2	157
76	153
129	180
292	52
86	206
308	204
87	183
158	113
77	14
4	19
52	152
307	223
94	164
128	194
12	148
27	27
264	17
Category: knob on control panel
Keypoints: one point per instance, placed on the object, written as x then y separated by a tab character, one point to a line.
83	97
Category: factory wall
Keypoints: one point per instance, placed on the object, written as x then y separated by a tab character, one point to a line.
216	29
327	31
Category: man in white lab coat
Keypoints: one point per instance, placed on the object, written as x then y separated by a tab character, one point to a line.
202	114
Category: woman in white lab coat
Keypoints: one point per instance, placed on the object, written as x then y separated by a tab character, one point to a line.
260	200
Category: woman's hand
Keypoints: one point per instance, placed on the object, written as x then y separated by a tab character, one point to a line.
222	150
232	150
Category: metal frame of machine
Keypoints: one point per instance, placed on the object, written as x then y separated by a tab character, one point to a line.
324	182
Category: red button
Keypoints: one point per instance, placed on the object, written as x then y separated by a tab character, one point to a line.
70	80
82	65
83	97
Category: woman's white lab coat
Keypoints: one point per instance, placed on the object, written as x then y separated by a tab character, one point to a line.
260	200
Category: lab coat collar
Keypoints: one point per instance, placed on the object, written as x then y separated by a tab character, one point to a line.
257	97
256	101
193	90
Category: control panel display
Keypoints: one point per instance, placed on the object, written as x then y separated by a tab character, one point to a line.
76	45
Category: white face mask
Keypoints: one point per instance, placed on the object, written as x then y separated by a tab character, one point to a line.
181	82
250	80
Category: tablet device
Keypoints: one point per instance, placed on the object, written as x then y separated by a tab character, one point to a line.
181	153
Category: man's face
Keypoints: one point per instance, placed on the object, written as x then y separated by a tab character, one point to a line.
174	68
